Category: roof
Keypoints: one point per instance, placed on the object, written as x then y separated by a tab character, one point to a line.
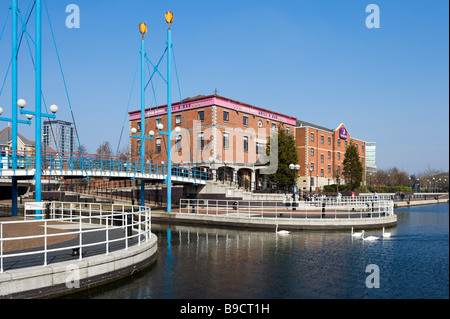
6	138
323	128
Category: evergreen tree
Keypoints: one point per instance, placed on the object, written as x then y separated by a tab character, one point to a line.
353	168
287	154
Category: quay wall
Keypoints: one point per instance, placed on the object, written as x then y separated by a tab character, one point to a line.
74	276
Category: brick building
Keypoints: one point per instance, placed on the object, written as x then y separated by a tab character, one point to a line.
230	137
218	133
321	154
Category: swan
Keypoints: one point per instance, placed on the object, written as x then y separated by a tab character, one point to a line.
282	232
356	234
386	235
370	238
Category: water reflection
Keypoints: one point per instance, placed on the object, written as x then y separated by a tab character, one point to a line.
207	262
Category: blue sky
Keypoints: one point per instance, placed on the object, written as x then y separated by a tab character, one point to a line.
313	59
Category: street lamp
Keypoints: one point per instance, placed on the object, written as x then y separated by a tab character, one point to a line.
38	144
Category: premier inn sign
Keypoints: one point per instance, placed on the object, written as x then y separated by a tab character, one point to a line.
343	134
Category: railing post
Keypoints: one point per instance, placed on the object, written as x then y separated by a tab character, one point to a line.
45	243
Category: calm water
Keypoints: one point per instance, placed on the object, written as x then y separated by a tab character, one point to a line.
205	262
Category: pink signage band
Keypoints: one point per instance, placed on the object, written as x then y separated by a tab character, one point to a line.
219	102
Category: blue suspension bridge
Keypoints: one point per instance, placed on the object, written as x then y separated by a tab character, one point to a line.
18	164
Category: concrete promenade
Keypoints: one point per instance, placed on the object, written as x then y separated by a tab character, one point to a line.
26	276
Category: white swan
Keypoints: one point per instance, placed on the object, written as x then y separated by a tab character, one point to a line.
370	238
356	234
282	232
386	235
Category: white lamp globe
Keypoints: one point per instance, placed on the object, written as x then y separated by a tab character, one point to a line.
54	108
160	126
21	103
151	133
178	129
297	167
291	166
29	116
133	130
1	111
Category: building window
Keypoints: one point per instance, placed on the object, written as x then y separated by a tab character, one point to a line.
274	127
158	145
321	172
362	148
178	144
158	121
329	169
339	169
226	116
139	126
346	144
339	155
312	167
201	115
201	140
226	142
288	130
178	119
322	139
259	148
329	155
329	140
245	143
312	152
312	137
339	143
245	121
321	158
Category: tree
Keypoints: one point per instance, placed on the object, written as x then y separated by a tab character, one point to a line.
104	148
353	168
287	154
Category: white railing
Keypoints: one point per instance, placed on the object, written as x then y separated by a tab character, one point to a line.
76	228
321	208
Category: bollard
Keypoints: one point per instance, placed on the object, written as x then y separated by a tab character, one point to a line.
47	211
323	209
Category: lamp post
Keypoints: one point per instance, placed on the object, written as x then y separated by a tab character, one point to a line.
38	143
14	121
310	185
169	20
295	168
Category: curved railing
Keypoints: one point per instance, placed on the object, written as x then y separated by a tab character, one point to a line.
71	231
323	208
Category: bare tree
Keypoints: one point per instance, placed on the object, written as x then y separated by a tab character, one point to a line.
104	148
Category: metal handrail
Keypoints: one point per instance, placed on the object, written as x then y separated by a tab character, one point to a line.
322	208
135	220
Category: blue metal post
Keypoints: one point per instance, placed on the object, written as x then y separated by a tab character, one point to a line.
14	105
142	119
169	121
38	173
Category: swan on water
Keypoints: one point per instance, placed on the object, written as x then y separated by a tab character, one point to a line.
356	234
370	238
386	235
282	232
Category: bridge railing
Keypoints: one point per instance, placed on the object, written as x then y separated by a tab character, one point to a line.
58	163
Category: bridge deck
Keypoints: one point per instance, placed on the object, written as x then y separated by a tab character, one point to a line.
95	165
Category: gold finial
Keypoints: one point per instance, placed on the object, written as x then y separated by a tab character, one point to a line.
143	29
169	17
